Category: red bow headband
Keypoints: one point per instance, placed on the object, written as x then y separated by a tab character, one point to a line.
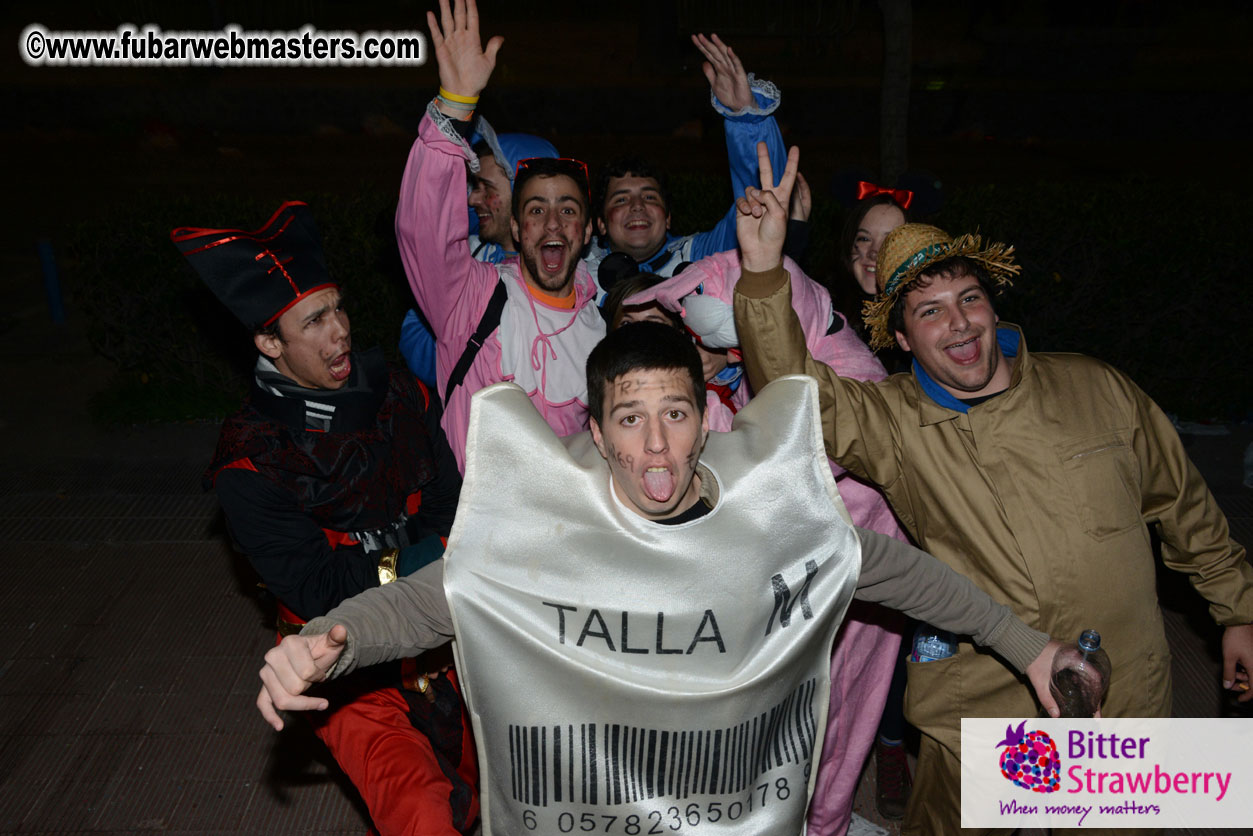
902	197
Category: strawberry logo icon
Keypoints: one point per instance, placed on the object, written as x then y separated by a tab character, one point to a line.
1030	759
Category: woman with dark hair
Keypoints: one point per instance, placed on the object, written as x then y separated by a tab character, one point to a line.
872	212
865	227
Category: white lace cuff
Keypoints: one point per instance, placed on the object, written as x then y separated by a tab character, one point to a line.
759	86
444	123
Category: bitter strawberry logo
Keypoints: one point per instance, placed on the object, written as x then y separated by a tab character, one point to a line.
1030	759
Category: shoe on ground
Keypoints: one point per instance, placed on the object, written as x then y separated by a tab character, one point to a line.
892	781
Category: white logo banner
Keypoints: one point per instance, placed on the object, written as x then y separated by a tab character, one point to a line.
1127	772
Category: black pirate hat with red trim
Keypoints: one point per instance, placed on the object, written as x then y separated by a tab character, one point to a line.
259	275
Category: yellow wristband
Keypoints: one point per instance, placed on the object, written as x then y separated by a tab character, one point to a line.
387	566
454	97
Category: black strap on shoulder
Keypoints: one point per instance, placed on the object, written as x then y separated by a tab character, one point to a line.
489	323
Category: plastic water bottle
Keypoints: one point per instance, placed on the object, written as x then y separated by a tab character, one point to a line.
931	644
1080	676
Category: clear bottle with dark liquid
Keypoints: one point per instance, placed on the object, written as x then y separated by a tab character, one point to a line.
1080	676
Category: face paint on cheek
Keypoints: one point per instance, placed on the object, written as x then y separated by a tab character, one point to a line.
624	461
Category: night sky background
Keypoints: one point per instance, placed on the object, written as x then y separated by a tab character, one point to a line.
1083	96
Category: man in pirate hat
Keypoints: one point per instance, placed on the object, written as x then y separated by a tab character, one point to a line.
334	478
1037	476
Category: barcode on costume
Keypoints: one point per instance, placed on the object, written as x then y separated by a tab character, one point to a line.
611	763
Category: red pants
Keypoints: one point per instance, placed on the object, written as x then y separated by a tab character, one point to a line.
393	765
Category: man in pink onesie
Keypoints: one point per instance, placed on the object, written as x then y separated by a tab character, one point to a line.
549	321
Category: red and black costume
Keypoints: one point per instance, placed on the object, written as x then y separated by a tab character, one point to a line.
314	501
316	485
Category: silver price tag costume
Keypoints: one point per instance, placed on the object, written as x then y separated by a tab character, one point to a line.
629	675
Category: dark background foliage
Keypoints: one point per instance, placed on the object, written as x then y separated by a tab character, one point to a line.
1106	141
1108	273
179	352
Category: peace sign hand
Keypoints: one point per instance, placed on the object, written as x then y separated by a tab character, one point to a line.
761	214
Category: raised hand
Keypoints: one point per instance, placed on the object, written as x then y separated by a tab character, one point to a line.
291	667
761	214
726	74
464	65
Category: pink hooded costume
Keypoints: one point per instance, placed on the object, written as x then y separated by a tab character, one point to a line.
866	647
541	348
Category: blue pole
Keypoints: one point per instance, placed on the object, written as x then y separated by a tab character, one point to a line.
52	282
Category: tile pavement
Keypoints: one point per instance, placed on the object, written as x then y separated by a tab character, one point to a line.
127	683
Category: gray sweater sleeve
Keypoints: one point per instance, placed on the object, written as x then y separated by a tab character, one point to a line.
411	615
394	621
901	577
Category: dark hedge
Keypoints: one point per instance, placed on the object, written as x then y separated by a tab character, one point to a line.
1139	275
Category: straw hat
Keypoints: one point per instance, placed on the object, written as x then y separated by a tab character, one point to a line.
907	252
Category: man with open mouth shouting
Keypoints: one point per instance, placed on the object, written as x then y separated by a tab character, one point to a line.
334	478
531	319
549	223
491	207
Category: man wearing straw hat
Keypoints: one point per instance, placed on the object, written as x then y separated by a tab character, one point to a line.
1034	475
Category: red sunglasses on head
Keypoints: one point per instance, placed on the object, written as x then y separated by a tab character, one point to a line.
572	168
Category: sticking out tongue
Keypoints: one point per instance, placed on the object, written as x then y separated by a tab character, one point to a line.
551	255
965	352
659	485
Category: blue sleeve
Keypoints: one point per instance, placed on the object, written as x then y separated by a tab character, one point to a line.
417	345
744	131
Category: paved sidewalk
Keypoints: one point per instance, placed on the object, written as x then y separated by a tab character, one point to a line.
133	634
